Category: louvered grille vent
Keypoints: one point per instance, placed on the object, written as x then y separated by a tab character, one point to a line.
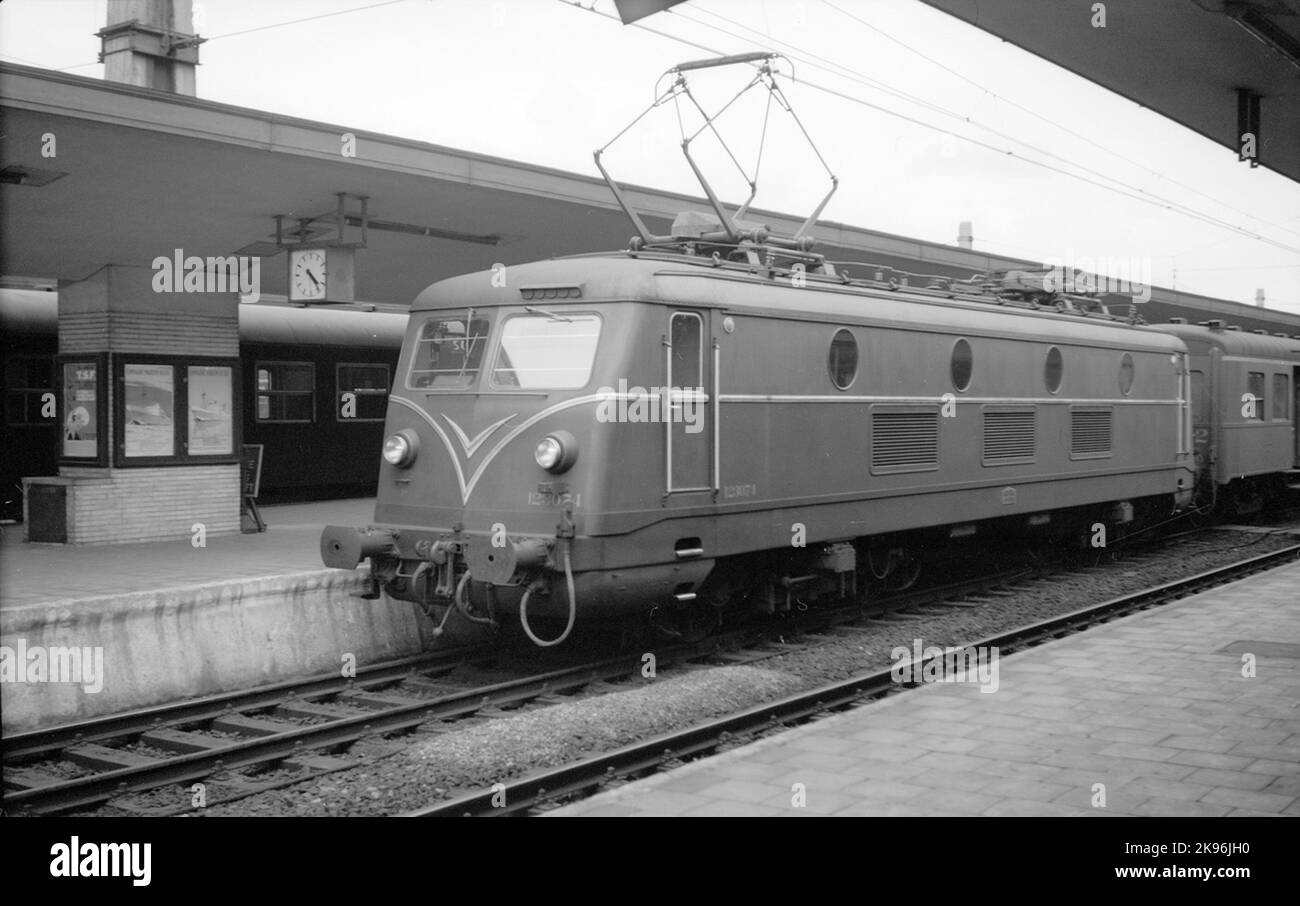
1008	436
1090	431
904	439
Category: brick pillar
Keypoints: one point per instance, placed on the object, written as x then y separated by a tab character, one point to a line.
117	311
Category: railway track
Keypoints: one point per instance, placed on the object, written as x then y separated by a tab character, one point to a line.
258	740
526	794
287	726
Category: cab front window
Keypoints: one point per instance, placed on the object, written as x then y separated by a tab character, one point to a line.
546	351
448	352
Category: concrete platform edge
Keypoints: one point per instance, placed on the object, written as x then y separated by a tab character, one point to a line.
161	646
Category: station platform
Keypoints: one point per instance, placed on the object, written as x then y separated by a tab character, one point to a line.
1148	715
174	620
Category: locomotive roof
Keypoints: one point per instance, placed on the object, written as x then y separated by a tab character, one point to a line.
36	312
1236	342
685	280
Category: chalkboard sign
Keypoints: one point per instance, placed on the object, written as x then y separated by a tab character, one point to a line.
250	482
250	469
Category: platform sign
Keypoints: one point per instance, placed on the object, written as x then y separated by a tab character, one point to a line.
250	483
250	469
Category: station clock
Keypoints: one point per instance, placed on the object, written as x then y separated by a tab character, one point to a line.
322	274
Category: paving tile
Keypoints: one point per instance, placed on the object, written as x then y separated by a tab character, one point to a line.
1201	743
1284	786
723	809
951	761
1025	788
966	781
883	735
1028	808
1237	780
1080	797
611	810
766	771
1129	734
661	802
1083	779
964	801
1157	787
744	790
824	743
958	744
1264	802
1222	761
1176	808
691	782
815	802
884	791
1132	750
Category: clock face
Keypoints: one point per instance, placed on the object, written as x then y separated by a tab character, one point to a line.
307	274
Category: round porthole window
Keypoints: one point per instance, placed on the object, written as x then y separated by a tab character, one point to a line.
843	361
1126	374
963	364
1055	370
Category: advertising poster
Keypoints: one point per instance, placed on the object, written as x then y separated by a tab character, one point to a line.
80	409
211	424
147	425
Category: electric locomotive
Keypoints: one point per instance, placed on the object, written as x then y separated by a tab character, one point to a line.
642	431
720	417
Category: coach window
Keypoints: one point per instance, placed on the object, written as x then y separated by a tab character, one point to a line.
1255	382
1126	374
1054	370
1281	397
286	391
843	362
29	385
360	392
963	364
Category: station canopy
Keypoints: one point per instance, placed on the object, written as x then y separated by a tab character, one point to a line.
139	173
1183	59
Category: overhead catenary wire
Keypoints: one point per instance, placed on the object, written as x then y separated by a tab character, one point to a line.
248	31
1031	112
1119	185
1123	189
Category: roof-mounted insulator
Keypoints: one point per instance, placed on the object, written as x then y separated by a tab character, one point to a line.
1236	327
1213	325
1177	320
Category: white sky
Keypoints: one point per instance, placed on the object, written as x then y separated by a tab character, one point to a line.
546	82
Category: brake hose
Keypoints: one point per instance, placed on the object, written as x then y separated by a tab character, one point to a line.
573	609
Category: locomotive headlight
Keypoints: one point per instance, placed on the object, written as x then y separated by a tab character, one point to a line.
556	452
399	448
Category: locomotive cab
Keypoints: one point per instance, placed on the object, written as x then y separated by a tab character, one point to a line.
527	427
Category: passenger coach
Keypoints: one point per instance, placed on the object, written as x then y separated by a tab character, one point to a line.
1245	412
